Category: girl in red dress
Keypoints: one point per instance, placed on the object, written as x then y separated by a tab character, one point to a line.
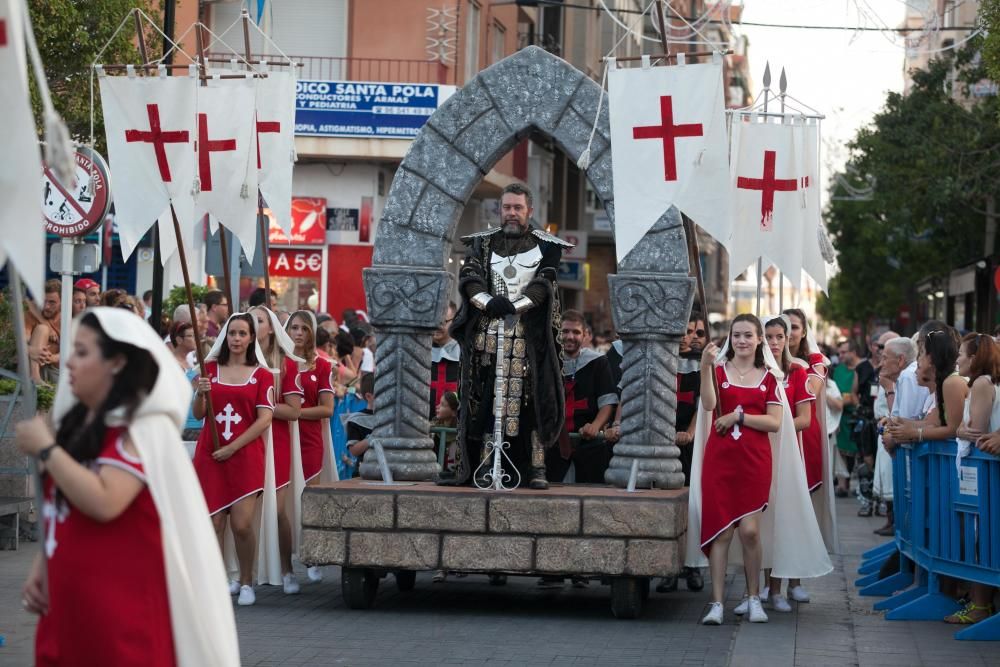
102	530
736	468
316	379
114	584
232	477
816	448
278	351
801	390
814	436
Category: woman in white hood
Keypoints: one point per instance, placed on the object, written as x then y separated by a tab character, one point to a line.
129	573
232	476
746	460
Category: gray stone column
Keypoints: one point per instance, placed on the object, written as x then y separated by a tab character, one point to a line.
405	305
650	310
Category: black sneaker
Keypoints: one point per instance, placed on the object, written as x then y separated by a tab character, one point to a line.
695	582
667	584
580	582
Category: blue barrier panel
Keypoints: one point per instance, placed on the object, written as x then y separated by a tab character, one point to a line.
946	525
902	488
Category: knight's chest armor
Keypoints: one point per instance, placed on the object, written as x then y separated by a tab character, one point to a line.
510	275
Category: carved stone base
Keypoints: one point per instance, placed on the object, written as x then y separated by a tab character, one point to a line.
566	530
410	459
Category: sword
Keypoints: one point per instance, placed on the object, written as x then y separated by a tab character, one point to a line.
496	479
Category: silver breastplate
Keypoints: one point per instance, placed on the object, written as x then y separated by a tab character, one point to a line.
514	273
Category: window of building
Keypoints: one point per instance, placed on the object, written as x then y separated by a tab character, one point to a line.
499	38
472	39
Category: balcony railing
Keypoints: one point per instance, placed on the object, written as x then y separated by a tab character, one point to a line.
389	70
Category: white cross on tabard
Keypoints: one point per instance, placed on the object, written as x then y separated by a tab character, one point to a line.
53	516
228	416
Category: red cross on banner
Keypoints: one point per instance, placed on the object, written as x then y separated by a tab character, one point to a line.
441	385
572	405
206	147
158	138
668	132
3	33
768	185
265	126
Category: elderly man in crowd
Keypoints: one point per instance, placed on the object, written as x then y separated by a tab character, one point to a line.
906	401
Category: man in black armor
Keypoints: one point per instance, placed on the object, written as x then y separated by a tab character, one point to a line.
509	275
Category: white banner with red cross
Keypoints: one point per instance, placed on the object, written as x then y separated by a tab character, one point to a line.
150	123
768	207
276	144
668	148
812	259
22	231
226	153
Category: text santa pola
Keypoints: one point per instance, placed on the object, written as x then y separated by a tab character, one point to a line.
333	95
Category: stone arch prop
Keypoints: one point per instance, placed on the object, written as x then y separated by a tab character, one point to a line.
407	286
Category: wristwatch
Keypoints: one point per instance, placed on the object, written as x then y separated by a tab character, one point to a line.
43	454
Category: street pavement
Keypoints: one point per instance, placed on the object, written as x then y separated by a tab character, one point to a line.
467	622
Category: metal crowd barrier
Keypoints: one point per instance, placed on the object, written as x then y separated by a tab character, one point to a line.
947	521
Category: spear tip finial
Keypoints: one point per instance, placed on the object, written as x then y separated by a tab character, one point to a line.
783	82
767	74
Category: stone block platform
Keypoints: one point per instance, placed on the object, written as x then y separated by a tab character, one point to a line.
568	529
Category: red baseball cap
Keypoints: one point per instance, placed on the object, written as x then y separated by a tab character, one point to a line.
84	284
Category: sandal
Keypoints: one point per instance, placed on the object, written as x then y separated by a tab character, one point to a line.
971	613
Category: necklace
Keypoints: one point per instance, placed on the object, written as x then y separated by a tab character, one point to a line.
509	271
741	374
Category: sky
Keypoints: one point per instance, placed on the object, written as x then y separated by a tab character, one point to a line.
844	74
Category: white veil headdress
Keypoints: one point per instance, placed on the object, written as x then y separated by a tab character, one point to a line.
201	611
220	340
268	556
791	542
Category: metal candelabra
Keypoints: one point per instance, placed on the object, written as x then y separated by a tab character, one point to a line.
495	479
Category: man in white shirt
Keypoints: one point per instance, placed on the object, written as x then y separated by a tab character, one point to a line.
907	402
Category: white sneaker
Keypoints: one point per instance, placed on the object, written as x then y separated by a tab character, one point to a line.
289	584
765	593
714	615
247	596
798	594
780	603
757	614
742	607
234	587
315	574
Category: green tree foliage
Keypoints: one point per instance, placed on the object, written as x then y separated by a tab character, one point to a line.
934	162
70	34
178	297
989	16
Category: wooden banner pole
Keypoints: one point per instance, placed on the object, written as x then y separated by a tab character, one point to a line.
262	220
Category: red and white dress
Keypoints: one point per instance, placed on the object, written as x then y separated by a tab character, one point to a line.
813	437
242	474
736	469
281	436
108	602
314	382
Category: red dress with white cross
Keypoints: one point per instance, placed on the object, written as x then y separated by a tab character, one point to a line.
736	468
314	382
281	435
107	582
797	391
242	474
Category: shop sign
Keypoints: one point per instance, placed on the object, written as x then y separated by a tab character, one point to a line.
308	223
365	108
295	263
